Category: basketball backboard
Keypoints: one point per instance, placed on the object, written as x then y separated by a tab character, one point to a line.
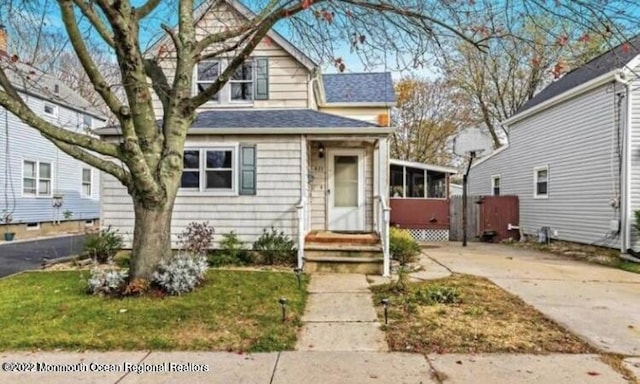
472	141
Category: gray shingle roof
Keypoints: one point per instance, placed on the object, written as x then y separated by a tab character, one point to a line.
615	58
278	118
31	80
359	88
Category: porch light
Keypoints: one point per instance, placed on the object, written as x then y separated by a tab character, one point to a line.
321	151
385	304
283	304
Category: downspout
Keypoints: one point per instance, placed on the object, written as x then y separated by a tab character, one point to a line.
625	206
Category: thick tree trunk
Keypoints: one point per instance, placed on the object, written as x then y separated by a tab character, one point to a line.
151	239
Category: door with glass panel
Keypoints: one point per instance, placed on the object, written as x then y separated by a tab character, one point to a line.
345	192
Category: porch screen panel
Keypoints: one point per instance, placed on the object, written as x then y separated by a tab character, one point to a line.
346	181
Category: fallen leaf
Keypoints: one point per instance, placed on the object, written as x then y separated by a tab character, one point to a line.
459	362
592	373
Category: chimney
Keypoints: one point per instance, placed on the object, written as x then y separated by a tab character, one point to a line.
3	39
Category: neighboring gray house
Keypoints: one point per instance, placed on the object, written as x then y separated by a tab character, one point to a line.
574	154
39	182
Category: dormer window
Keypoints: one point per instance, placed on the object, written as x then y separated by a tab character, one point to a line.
207	73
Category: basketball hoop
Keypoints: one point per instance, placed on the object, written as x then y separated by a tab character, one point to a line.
470	144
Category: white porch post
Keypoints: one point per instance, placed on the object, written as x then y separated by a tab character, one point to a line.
384	209
300	207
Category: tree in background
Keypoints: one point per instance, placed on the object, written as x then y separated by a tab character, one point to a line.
520	59
427	114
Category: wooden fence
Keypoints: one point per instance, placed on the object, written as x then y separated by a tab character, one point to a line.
484	214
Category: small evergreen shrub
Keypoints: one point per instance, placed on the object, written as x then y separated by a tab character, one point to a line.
275	248
196	238
106	282
402	246
103	245
231	252
181	274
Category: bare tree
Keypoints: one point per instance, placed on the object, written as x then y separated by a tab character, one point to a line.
147	159
518	60
427	115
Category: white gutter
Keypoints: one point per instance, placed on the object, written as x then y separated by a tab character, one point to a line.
483	159
625	206
573	92
372	130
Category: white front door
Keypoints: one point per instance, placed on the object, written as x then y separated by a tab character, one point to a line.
345	195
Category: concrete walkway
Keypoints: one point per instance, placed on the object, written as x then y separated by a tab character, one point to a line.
598	303
340	316
302	367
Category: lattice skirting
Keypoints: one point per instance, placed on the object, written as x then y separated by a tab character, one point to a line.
429	235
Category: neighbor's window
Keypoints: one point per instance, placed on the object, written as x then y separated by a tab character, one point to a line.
541	182
495	185
51	109
36	178
86	182
242	82
87	121
206	74
210	169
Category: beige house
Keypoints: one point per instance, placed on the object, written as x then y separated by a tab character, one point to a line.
282	145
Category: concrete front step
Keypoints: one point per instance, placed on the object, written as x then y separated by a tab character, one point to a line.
344	264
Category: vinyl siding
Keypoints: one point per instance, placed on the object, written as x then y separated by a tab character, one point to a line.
277	193
26	143
577	139
289	80
635	159
318	184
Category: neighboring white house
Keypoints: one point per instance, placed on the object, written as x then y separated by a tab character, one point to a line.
281	145
39	182
573	156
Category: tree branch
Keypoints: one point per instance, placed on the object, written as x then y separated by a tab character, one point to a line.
144	10
102	164
24	113
90	13
90	67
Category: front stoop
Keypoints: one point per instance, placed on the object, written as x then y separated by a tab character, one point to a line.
343	253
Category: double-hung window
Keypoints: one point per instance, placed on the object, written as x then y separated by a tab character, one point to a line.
36	178
541	182
86	182
223	169
206	74
209	170
495	185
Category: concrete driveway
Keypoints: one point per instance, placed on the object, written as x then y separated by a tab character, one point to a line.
24	255
600	304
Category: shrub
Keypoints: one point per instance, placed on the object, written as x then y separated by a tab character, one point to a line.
107	282
181	274
437	294
103	245
231	252
275	247
402	246
196	239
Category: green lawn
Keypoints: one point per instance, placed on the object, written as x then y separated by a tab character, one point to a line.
233	311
